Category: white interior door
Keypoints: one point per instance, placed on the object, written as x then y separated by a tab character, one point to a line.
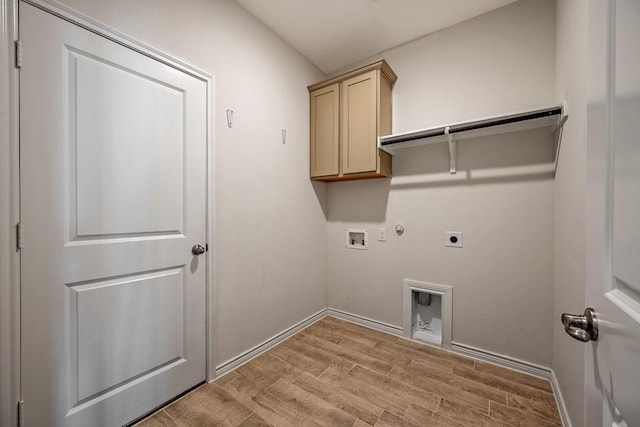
613	213
113	197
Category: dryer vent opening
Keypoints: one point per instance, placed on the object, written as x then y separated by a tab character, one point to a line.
426	320
427	313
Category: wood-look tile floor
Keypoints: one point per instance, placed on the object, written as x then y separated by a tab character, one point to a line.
336	373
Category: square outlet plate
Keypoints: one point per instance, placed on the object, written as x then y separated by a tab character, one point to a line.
453	239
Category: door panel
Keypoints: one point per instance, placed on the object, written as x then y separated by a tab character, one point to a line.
359	124
113	196
613	234
325	130
112	345
626	128
111	151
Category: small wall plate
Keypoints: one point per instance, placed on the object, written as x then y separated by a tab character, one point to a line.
453	239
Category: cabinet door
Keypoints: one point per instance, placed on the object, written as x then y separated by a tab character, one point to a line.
359	136
325	131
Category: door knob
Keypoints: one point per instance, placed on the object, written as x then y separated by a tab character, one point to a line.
583	328
198	249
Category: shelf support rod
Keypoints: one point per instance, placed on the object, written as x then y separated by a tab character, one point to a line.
563	119
557	132
452	151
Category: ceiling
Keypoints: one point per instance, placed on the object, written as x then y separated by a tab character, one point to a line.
336	33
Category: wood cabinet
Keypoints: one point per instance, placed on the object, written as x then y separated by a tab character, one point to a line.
325	131
348	113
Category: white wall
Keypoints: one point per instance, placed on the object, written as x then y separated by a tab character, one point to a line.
270	245
569	201
501	198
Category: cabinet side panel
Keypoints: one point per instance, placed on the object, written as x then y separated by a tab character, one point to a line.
384	118
359	127
324	131
384	122
384	164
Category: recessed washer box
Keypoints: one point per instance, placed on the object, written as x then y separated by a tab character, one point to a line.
357	238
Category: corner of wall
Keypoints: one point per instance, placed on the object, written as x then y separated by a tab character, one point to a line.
569	197
497	63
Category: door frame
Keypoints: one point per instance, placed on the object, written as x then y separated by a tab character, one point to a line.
10	359
599	174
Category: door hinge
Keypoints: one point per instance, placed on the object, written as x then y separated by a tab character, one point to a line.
20	413
19	235
18	58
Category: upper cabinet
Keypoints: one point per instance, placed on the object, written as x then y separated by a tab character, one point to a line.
348	113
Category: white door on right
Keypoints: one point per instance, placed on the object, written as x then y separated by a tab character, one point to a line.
613	213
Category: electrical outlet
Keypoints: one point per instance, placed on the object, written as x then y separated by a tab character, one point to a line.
382	234
453	239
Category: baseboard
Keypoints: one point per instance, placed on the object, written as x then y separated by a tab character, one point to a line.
562	407
365	321
503	361
520	366
465	350
256	351
462	349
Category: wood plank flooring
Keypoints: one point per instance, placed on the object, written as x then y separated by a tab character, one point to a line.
335	373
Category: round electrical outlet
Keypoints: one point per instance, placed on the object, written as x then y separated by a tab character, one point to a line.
453	239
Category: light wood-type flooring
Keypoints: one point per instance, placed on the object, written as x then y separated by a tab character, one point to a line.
336	373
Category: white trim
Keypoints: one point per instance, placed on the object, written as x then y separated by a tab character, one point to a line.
110	33
445	291
267	345
365	321
520	366
9	216
503	361
557	394
211	235
462	349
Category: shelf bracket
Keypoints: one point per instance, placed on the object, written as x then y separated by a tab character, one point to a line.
557	132
561	121
452	150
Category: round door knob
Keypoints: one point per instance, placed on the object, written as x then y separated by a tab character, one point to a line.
581	327
198	249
